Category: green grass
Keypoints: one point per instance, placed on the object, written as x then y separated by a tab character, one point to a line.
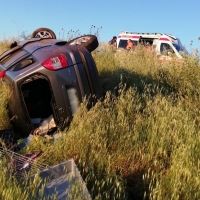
142	141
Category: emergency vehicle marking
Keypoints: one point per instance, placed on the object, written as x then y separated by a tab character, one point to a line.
129	36
164	39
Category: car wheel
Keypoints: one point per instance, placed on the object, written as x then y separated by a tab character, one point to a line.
90	42
43	33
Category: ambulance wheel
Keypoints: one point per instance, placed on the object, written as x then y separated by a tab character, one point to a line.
43	33
90	42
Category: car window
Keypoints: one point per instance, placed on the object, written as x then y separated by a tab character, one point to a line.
165	48
123	43
12	57
22	64
9	56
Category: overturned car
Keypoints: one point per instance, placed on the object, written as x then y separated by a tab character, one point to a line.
49	77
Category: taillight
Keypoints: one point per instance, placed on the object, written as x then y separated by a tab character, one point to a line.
55	62
2	73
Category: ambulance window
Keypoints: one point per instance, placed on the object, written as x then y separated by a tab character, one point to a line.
165	49
123	43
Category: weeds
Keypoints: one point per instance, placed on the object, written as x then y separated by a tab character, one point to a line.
4	96
142	141
5	44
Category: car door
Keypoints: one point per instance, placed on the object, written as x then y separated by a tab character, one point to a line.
166	50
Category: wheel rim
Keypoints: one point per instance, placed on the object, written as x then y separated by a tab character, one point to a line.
43	34
80	40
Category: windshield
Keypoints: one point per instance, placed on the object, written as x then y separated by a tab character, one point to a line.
123	43
180	48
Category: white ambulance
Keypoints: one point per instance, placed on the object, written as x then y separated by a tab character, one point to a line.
166	46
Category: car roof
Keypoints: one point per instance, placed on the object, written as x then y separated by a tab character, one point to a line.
37	43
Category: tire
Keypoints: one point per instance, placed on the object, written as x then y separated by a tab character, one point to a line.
90	42
43	33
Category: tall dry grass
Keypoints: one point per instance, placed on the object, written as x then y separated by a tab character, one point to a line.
4	96
5	44
142	140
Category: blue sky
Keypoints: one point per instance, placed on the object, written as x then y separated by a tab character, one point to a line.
177	17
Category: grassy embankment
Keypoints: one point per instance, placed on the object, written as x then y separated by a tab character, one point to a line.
141	141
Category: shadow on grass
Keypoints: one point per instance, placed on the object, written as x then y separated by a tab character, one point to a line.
112	80
136	187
